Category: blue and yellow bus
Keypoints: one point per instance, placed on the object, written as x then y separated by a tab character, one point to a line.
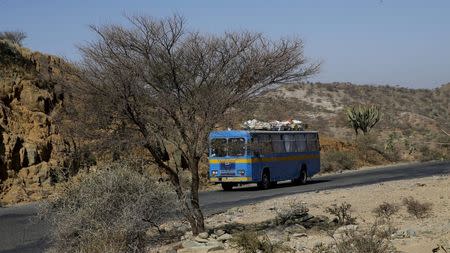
239	157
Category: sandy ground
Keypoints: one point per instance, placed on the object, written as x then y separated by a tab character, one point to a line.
430	231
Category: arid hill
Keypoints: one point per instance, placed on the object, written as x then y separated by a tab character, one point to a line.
413	118
30	146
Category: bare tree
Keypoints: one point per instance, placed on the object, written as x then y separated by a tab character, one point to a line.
13	36
173	86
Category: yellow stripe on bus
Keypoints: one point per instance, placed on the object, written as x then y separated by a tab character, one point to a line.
265	159
230	179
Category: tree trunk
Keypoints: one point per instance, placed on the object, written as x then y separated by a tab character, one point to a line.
191	205
198	224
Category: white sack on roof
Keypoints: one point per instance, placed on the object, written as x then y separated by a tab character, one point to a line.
255	124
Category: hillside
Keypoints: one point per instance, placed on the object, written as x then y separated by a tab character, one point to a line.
30	147
411	118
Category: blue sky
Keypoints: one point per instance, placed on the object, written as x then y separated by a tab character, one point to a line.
396	42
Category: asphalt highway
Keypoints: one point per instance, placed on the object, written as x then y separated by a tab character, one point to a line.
21	231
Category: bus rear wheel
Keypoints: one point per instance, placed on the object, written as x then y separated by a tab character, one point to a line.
227	186
265	181
302	178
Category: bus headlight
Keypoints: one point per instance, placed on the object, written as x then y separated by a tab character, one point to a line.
214	173
241	172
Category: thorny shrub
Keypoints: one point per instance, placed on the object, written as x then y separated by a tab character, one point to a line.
109	210
342	213
416	208
386	210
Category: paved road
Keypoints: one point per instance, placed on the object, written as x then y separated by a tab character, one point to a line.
21	232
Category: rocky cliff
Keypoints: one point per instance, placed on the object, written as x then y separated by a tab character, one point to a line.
31	149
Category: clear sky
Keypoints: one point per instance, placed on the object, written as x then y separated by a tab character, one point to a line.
396	42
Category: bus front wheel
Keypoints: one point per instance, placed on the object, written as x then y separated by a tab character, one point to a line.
227	186
265	181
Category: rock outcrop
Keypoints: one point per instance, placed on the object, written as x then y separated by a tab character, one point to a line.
30	146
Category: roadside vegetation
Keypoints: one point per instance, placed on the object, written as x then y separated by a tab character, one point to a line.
110	210
416	208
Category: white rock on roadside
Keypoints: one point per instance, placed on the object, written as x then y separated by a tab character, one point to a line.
203	235
224	237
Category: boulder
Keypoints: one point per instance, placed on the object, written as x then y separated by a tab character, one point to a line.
203	235
224	237
219	232
200	239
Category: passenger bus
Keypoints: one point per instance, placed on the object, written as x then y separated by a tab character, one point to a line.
239	157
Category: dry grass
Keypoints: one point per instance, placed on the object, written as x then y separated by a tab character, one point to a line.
337	161
416	208
386	210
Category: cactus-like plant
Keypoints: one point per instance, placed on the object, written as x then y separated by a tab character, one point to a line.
363	117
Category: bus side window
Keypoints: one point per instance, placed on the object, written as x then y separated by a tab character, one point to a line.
265	144
300	142
277	143
289	142
255	146
312	142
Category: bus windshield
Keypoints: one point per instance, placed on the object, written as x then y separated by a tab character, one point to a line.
227	147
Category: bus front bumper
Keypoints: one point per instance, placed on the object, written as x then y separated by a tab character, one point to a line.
230	179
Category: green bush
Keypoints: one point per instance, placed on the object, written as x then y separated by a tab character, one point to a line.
337	160
109	210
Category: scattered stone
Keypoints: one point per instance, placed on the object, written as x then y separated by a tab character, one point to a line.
342	230
411	232
295	229
219	232
190	244
203	235
201	240
404	233
299	235
305	218
224	237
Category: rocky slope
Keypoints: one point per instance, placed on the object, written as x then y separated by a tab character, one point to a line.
30	147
